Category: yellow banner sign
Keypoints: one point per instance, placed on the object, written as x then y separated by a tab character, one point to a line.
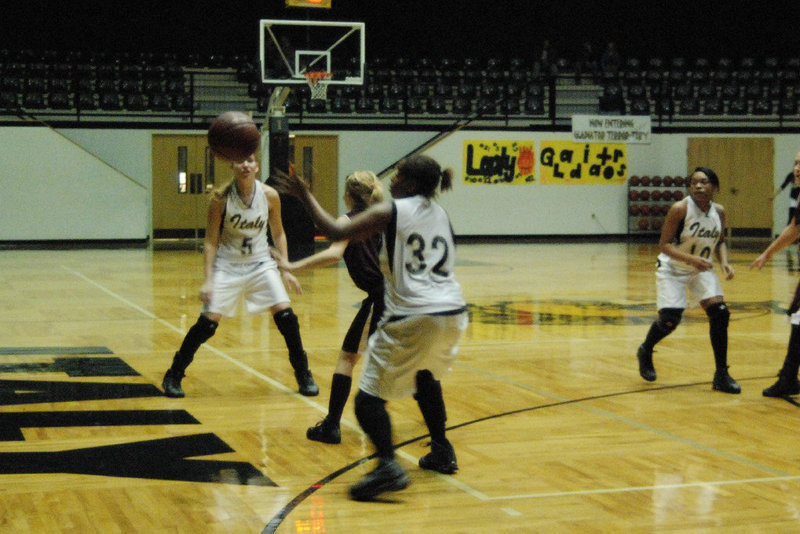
565	162
498	162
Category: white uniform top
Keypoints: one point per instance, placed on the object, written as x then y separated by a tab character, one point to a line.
417	259
244	229
698	235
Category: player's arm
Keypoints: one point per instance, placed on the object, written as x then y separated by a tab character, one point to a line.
211	244
329	256
721	250
278	235
373	220
275	221
788	236
669	231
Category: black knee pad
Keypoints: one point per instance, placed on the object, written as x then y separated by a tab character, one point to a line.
286	321
205	328
199	333
669	318
718	314
423	378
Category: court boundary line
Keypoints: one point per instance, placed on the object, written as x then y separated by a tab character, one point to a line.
645	488
222	354
278	518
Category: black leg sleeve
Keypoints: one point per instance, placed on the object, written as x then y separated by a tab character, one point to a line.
198	334
431	404
374	420
289	327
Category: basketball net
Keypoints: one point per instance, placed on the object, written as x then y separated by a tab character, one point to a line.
318	83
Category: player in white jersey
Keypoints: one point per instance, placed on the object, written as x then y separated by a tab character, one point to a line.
237	263
417	339
693	234
787	383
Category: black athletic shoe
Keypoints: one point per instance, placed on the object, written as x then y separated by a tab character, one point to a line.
442	458
388	476
783	387
306	382
725	383
172	384
646	369
325	431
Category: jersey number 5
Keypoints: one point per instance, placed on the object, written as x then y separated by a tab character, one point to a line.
247	246
418	253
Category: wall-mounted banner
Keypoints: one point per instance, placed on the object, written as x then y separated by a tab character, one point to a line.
565	162
611	129
498	162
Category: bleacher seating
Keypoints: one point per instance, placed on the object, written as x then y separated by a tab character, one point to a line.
112	84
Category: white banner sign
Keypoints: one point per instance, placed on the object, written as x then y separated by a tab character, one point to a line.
611	129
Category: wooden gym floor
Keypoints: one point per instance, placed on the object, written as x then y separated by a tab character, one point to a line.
554	429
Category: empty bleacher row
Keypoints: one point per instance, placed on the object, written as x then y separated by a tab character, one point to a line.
90	81
701	87
163	84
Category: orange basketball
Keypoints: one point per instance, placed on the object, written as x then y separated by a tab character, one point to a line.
233	136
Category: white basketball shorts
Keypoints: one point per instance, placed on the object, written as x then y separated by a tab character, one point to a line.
399	348
672	286
259	282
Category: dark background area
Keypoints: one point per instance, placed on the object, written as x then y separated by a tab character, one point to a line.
433	28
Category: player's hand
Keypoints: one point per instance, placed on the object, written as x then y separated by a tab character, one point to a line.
759	262
728	270
205	293
289	184
292	284
283	263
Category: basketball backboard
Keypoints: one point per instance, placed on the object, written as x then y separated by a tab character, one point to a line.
290	48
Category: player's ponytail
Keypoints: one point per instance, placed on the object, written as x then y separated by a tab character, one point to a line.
446	183
426	173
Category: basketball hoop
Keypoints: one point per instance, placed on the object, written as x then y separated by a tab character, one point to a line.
318	83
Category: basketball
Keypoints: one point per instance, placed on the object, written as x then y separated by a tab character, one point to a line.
634	180
233	136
